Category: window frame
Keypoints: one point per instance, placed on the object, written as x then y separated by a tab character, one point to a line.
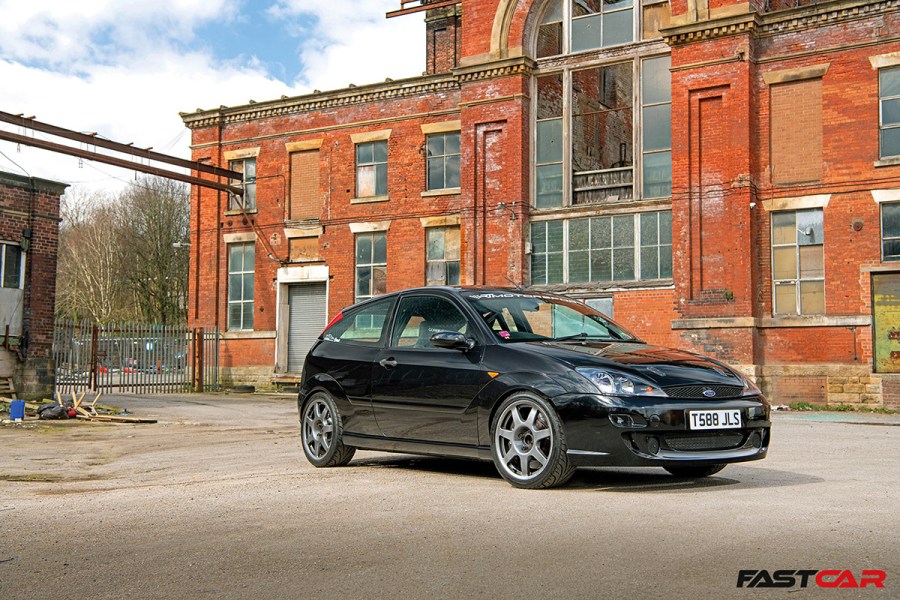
3	263
371	265
248	185
243	274
636	151
883	238
637	248
374	164
881	101
445	229
443	157
799	280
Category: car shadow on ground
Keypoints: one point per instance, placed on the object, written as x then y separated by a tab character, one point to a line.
606	479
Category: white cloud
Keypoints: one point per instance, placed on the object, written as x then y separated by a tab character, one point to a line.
352	42
126	69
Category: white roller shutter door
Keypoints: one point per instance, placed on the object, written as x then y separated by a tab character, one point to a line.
308	318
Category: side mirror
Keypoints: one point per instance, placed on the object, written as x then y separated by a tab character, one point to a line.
452	340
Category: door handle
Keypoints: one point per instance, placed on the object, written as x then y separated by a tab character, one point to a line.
387	363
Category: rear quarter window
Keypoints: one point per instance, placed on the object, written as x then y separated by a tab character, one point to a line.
364	327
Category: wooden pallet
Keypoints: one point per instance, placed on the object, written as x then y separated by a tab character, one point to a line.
7	389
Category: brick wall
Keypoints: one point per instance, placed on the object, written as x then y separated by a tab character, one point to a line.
33	204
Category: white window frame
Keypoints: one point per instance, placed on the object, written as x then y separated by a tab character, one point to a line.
3	260
248	185
243	273
798	280
637	247
883	237
881	101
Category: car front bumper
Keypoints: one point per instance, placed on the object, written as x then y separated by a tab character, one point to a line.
609	431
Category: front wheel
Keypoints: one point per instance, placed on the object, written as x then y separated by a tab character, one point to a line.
321	433
694	472
528	443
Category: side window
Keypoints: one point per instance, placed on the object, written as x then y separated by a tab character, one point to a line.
420	317
363	327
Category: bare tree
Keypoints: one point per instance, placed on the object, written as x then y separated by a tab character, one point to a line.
154	216
117	259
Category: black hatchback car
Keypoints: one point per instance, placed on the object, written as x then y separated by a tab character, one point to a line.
538	383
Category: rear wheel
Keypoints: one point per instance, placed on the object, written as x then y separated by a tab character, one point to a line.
695	472
321	433
528	443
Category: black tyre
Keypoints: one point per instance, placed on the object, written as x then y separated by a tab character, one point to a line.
321	432
695	472
528	443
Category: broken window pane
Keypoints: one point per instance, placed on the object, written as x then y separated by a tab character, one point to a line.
810	228
602	118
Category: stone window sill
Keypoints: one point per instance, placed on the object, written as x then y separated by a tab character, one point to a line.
891	161
444	192
369	199
248	334
235	213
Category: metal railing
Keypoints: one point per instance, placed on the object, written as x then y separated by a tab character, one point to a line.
135	358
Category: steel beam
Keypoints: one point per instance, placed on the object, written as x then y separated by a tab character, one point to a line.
93	140
119	162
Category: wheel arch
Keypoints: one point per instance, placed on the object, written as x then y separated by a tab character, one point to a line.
504	386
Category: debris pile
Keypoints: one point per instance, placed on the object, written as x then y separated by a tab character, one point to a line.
76	408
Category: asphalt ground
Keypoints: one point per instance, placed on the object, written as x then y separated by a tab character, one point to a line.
217	501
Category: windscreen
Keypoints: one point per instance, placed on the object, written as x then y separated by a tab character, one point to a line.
517	317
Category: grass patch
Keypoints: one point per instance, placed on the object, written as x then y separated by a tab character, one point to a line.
806	406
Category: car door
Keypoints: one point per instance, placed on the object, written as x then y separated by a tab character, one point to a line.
347	353
424	393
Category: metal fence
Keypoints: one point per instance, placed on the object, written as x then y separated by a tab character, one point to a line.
135	358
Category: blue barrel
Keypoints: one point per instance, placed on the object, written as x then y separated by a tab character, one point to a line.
17	409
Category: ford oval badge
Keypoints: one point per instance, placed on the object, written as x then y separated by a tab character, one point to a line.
709	393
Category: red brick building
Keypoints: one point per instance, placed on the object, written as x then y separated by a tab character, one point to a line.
29	235
716	175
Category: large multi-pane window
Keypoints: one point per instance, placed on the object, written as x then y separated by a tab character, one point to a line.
241	269
371	264
889	94
443	160
247	166
371	169
798	262
890	231
601	249
11	266
442	256
594	110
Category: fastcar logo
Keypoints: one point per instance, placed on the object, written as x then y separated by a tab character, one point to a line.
823	579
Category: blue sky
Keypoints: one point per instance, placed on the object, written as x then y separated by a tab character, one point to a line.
126	69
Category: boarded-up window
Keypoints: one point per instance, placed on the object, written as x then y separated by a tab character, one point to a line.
796	131
306	198
303	248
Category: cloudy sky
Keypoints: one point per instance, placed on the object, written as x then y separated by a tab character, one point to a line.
125	69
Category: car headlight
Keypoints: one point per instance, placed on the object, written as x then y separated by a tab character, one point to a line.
750	388
613	383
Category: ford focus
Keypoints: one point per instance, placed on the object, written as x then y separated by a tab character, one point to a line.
540	384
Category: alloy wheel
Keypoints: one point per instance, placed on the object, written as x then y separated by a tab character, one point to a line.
318	428
524	439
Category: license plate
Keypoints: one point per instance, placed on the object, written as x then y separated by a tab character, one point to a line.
714	419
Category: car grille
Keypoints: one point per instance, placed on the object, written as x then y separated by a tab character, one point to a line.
695	392
722	441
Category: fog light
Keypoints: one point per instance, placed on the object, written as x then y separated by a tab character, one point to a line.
653	446
756	439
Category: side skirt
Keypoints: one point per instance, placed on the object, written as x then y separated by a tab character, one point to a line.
383	444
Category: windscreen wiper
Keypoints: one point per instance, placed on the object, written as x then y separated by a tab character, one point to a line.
584	336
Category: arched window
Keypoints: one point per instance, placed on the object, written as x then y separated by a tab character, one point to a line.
601	140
